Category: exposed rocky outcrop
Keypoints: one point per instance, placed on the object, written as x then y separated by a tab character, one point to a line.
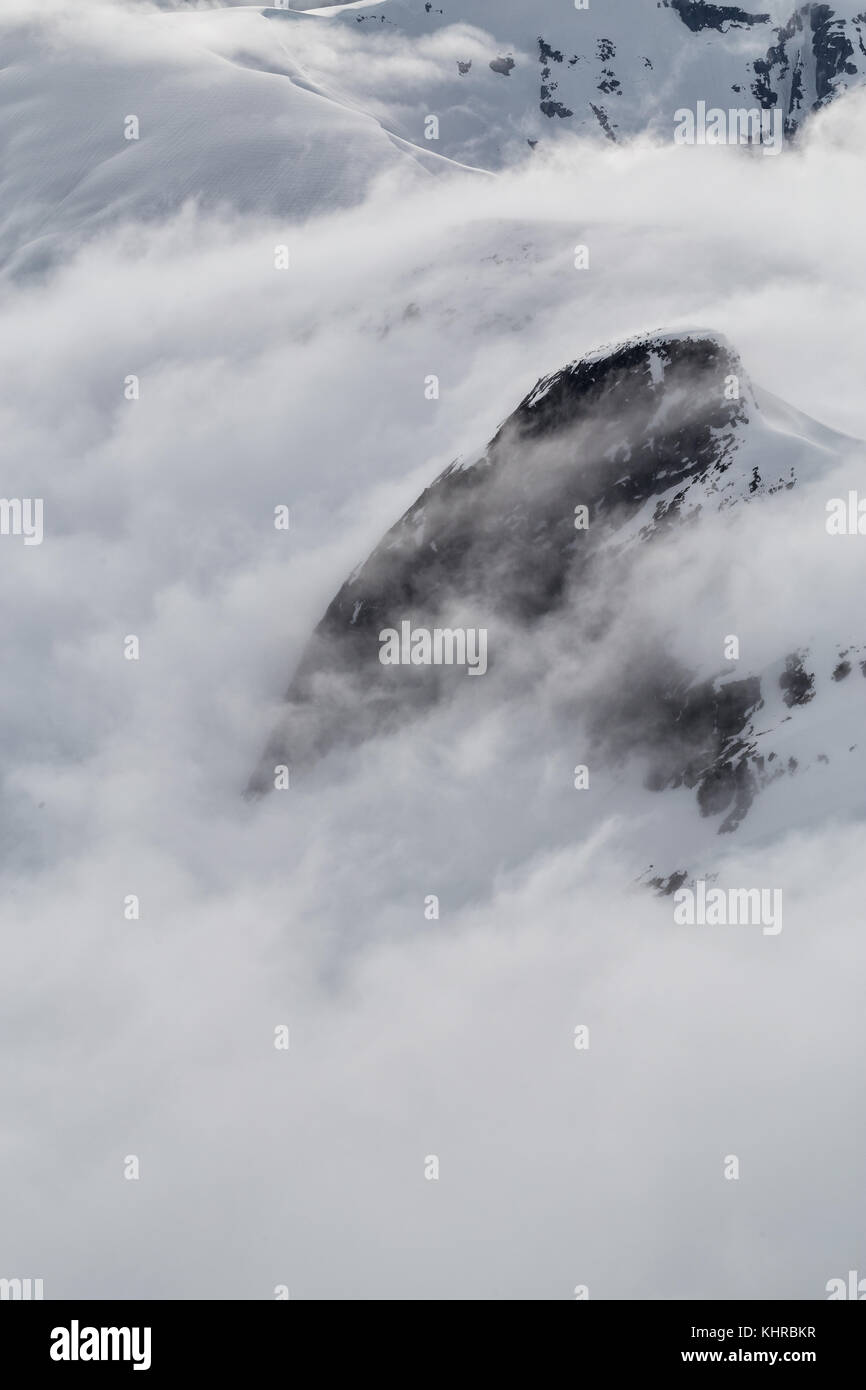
599	460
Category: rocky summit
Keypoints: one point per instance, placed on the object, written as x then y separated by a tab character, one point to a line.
615	452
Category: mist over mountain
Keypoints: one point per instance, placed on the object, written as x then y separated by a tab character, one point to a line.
642	438
499	73
271	295
134	110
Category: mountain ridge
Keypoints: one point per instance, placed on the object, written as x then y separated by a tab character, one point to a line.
660	431
507	74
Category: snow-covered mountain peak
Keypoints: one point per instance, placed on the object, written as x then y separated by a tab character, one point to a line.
497	74
614	453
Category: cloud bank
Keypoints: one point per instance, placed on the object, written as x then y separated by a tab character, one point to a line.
409	1037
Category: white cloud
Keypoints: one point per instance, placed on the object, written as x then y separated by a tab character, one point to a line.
408	1037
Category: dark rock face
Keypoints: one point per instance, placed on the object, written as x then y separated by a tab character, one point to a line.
699	741
504	530
534	543
550	107
697	15
809	63
833	51
666	887
797	684
548	104
604	121
815	41
645	428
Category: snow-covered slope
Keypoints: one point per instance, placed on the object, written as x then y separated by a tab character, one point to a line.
655	437
696	651
292	112
221	115
498	73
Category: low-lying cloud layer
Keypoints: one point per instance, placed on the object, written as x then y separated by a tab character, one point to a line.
409	1037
